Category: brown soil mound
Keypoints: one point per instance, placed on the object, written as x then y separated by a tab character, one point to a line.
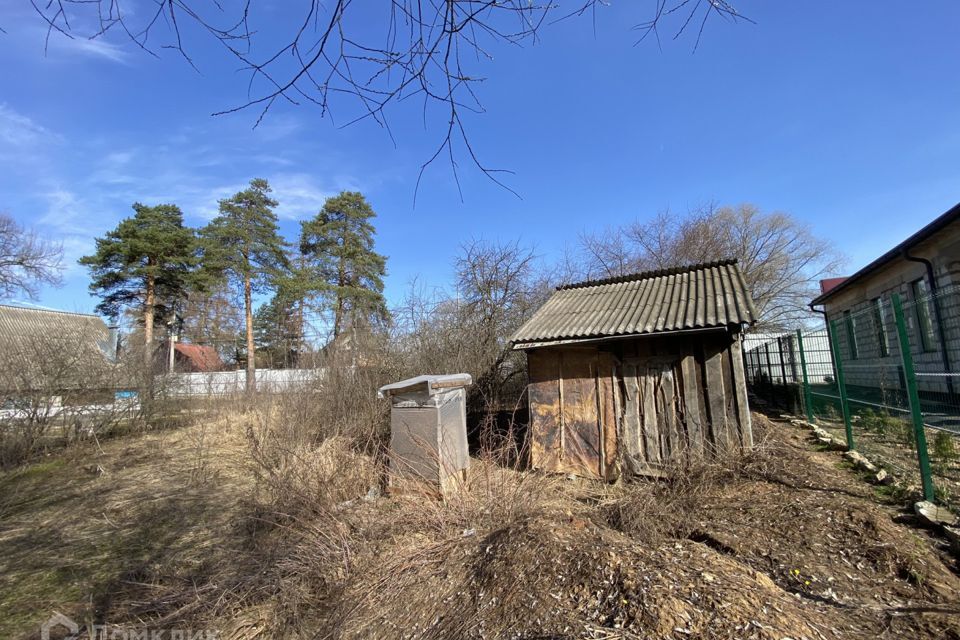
569	578
784	546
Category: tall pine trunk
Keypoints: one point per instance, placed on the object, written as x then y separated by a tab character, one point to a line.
148	309
251	361
299	336
337	317
338	314
150	304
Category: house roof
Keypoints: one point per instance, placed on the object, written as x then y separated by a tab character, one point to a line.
923	234
48	347
699	296
20	323
203	357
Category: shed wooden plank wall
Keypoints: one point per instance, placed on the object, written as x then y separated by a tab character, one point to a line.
690	404
573	411
636	404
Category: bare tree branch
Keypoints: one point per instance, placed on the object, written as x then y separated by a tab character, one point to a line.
427	50
26	261
782	261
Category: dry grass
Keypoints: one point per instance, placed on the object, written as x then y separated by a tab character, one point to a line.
262	526
99	524
670	508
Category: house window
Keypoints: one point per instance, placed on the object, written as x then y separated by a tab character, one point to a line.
851	323
921	307
880	327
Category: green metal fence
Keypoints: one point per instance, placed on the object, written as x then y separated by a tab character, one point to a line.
884	377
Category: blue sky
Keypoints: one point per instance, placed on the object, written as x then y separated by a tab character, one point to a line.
843	113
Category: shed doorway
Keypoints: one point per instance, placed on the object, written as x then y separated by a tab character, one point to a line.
664	411
574	406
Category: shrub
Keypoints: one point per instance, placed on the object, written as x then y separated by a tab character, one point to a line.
882	423
903	429
944	447
56	389
870	421
829	413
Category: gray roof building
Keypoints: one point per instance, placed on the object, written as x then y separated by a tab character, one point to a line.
42	349
630	374
703	296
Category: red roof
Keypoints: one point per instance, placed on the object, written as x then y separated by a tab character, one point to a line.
201	357
829	283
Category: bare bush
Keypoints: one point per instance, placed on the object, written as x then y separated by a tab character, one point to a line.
311	481
323	443
355	571
499	286
672	506
494	495
56	388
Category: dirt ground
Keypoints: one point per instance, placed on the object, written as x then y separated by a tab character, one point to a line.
897	455
171	530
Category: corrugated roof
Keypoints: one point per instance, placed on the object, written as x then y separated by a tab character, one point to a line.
41	345
682	298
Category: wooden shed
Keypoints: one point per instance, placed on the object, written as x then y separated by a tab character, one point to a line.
629	373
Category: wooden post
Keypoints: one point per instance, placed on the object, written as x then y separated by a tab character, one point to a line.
740	391
691	406
560	417
648	418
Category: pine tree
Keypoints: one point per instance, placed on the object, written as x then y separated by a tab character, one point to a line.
244	245
278	331
339	247
144	264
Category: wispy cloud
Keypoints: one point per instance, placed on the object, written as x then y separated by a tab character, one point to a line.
203	200
104	177
18	130
74	248
300	195
65	212
278	126
69	220
115	168
89	47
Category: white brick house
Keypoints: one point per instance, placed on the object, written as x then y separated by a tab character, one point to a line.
925	270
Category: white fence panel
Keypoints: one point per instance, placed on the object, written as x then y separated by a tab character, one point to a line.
224	383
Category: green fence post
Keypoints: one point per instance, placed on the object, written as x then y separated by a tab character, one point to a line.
841	384
916	414
807	398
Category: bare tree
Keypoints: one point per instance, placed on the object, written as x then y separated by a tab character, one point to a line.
26	260
781	259
214	318
607	254
496	287
430	51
